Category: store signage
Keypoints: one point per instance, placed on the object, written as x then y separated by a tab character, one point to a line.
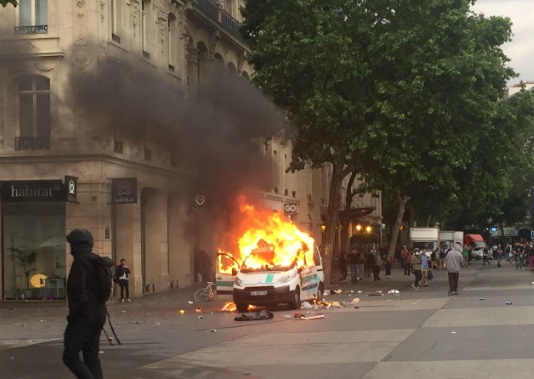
291	209
25	191
124	190
71	189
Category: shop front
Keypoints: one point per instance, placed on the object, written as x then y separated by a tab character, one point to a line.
33	261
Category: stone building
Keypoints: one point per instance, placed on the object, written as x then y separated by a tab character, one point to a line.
65	164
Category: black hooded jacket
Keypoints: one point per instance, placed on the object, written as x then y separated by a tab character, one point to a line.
83	306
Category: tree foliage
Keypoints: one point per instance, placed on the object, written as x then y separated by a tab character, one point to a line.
4	3
407	93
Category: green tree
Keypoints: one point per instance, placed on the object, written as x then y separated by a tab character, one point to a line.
310	56
406	90
6	2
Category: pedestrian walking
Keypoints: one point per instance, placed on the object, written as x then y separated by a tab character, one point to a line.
377	262
407	263
343	266
416	268
121	273
485	256
205	266
465	255
530	254
87	315
424	268
453	262
500	252
387	265
355	269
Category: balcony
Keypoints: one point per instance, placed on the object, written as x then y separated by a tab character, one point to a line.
31	29
216	13
32	143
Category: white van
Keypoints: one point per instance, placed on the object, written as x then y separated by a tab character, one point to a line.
270	285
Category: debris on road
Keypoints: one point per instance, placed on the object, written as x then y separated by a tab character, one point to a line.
482	299
508	303
308	317
261	315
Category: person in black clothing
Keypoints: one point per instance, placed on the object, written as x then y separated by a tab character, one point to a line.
485	256
121	273
86	316
343	266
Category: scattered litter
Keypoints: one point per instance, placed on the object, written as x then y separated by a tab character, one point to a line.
182	311
101	352
388	300
198	310
190	302
351	291
123	311
157	323
261	315
336	292
309	317
482	299
200	317
12	358
41	320
357	307
131	322
375	293
453	332
326	294
306	305
356	300
531	282
360	291
508	303
287	316
214	330
394	292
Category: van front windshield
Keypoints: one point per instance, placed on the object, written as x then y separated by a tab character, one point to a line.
267	260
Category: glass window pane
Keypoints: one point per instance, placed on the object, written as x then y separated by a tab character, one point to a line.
41	12
25	12
26	115
43	115
25	83
42	83
34	250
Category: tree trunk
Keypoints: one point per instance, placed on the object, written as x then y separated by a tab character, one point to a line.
398	222
332	219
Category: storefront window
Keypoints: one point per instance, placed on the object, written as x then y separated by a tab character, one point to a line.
34	255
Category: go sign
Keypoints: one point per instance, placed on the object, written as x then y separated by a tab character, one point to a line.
290	209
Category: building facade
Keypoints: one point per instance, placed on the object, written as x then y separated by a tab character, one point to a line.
62	167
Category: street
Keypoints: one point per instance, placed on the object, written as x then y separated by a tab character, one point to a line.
415	334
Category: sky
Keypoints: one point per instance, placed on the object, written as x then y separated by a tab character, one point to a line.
521	49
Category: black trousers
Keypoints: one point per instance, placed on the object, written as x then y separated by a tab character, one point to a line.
418	276
124	288
453	281
79	337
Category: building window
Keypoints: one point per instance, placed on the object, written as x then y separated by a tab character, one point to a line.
145	25
115	7
172	42
33	17
34	113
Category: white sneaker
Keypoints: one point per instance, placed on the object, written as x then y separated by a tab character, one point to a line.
128	300
122	300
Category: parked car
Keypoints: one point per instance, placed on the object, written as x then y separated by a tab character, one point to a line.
478	252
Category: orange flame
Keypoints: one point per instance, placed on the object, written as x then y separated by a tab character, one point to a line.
231	307
266	228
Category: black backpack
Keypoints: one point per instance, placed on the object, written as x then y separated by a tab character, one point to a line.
103	278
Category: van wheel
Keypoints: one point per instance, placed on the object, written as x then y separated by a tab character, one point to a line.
320	291
241	307
295	304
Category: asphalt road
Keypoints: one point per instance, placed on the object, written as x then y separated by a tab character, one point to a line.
415	334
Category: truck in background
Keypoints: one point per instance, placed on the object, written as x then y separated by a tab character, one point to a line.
425	238
474	240
449	238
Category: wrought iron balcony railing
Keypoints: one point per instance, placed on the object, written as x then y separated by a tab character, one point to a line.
31	29
32	143
215	11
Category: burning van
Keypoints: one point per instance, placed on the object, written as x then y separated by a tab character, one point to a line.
269	276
